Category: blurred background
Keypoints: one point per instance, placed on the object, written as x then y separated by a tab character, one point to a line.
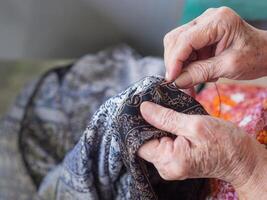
36	35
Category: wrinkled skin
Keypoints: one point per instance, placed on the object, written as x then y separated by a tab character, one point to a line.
216	44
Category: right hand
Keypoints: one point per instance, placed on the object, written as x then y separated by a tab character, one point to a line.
216	44
207	148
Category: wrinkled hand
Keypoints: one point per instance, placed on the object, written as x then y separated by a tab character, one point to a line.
216	44
204	147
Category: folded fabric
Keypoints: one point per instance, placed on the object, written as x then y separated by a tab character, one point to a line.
65	98
244	105
104	164
49	117
51	113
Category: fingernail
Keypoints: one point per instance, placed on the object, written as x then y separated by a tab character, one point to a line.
184	80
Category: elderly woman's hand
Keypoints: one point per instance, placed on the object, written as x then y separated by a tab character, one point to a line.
204	147
216	44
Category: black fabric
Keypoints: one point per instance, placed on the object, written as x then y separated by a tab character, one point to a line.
135	131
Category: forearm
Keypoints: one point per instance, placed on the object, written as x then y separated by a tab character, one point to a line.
256	185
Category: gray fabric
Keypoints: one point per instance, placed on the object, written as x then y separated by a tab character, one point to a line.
89	73
65	102
15	182
104	164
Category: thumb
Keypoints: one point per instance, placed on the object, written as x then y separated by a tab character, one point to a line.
199	72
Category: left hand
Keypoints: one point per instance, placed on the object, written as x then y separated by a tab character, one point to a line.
204	147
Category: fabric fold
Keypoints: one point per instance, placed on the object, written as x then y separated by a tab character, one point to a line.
104	164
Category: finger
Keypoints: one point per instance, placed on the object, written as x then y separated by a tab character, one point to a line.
171	36
200	72
163	158
148	151
174	63
191	92
173	163
170	42
195	38
167	119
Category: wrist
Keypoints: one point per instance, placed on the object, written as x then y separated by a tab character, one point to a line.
253	185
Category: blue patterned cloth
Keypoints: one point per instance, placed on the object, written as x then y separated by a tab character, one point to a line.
66	162
104	165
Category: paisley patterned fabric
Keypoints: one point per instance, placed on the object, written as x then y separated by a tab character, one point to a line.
50	115
104	165
65	99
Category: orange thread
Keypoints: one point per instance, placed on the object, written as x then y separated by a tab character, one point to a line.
262	136
219	101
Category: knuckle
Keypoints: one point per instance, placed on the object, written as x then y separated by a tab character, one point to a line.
229	62
168	38
184	37
201	72
182	172
209	10
224	11
164	176
165	141
209	31
232	17
197	126
163	172
204	72
232	60
232	63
